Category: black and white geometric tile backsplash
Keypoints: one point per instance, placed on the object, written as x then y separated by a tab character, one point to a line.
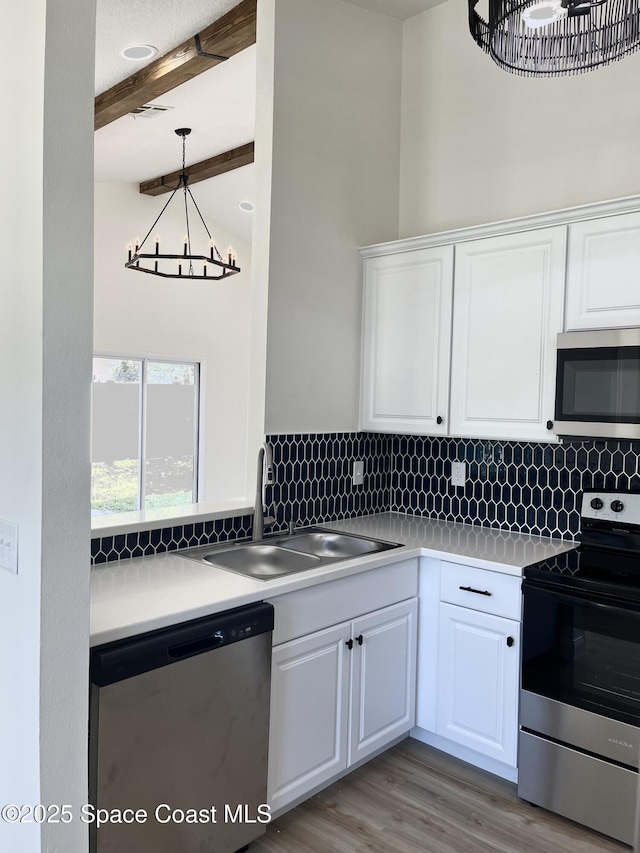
106	549
526	487
313	477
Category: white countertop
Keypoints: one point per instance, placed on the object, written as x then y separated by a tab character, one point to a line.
130	597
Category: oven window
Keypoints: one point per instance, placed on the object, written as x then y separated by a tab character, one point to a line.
583	654
599	385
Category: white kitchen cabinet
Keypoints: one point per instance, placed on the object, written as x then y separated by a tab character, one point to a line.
507	311
468	667
406	341
478	664
338	696
602	274
308	738
383	678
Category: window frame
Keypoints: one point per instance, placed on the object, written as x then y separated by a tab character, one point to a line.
144	359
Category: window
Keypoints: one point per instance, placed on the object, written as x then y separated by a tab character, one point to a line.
144	434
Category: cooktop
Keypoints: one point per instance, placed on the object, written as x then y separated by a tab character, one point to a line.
607	561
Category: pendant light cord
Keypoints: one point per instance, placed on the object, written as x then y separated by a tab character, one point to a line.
184	179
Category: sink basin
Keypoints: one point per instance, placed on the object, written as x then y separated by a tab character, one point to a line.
262	561
285	555
332	546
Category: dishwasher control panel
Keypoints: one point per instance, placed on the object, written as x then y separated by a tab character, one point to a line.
122	659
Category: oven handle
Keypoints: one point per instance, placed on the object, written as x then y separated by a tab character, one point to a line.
575	596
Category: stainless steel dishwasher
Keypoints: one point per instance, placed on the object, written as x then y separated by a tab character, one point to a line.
179	731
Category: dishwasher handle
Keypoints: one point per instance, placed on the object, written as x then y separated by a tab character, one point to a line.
195	647
142	653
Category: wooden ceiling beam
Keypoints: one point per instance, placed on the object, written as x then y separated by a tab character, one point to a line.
217	165
225	37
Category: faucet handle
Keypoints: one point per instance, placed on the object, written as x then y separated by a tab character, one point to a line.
269	520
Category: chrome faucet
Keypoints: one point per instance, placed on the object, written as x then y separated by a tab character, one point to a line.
264	476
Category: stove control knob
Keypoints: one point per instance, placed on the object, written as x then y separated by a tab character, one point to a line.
597	503
617	506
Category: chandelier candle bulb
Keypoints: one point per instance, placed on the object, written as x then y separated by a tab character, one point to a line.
157	248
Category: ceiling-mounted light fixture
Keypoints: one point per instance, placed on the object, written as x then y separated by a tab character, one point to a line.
550	38
182	264
138	52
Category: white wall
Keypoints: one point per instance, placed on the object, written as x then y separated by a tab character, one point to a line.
140	314
261	234
480	144
336	139
45	241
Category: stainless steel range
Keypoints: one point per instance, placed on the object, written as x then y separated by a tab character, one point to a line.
580	700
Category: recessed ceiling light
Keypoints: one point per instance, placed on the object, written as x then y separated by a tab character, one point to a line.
247	206
136	52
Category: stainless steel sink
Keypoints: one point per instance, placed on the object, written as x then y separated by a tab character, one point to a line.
333	546
262	561
285	555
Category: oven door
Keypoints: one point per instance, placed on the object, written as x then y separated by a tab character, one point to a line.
598	384
582	650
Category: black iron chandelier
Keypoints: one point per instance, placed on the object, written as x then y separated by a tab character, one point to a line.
185	264
550	38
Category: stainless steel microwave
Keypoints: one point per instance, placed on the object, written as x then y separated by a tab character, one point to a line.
598	384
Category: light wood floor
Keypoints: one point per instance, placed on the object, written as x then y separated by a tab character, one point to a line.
414	799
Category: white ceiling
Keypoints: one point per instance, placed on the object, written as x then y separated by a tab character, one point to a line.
402	9
162	23
218	105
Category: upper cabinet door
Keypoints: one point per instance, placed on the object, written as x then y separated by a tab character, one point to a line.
603	282
407	341
508	309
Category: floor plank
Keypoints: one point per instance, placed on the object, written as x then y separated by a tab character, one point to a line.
415	799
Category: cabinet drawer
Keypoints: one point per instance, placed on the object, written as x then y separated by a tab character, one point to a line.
317	607
479	589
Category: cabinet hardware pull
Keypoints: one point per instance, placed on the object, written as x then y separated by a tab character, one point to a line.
204	644
477	591
439	419
510	641
549	424
360	639
349	644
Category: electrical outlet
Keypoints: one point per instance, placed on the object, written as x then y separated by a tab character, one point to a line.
358	473
8	546
458	473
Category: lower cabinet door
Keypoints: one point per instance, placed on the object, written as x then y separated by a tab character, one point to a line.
383	678
478	665
309	709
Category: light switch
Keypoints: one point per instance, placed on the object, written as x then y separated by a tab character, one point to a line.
458	473
358	473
